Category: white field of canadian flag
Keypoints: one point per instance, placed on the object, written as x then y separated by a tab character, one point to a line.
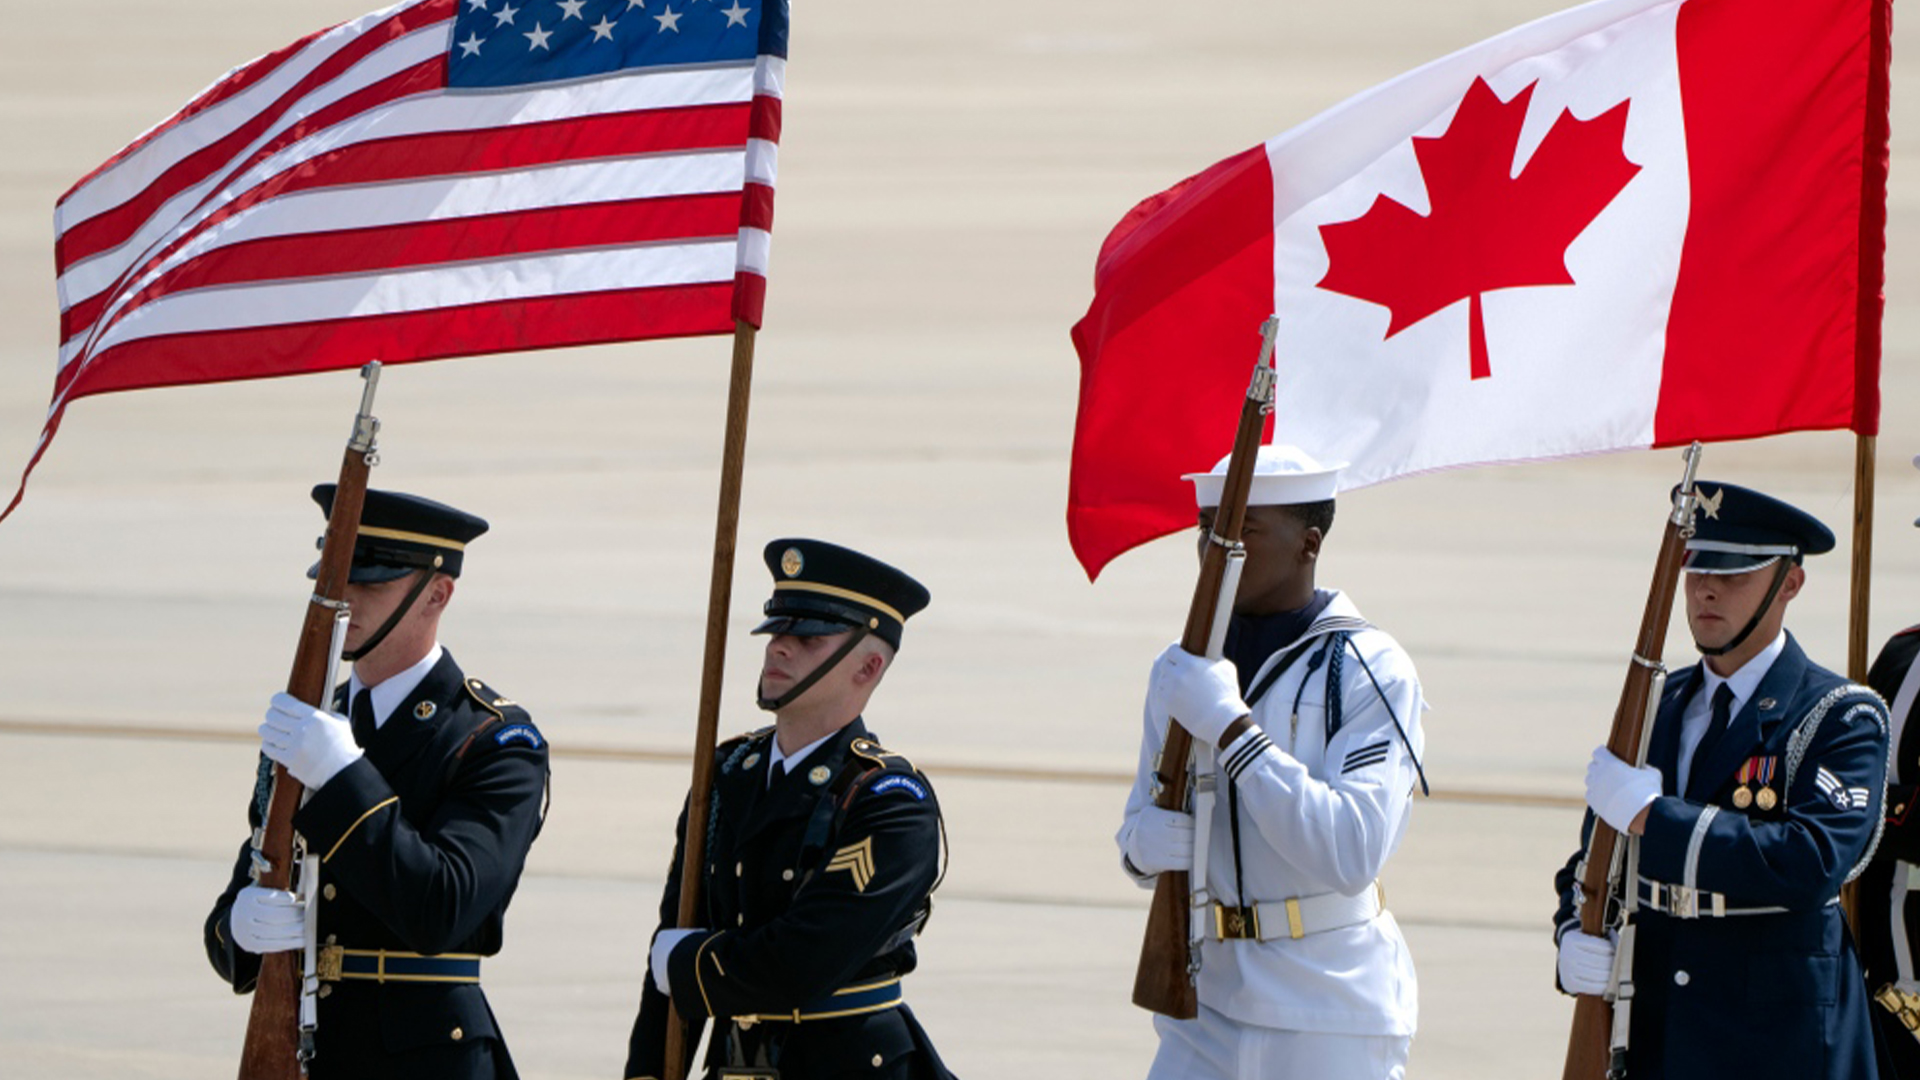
1630	224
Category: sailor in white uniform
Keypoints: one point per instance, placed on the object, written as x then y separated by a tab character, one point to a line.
1311	727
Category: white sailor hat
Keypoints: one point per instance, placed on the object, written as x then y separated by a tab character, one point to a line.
1282	476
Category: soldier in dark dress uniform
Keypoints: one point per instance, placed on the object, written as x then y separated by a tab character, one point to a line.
823	850
422	807
1889	896
1761	796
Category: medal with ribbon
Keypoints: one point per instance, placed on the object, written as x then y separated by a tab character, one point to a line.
1743	795
1767	798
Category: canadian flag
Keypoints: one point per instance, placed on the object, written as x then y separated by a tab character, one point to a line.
1630	224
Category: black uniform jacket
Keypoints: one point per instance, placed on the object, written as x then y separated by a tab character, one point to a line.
422	842
1889	901
1757	995
813	886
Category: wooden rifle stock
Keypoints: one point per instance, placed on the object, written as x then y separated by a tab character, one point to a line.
1589	1042
1164	981
272	1049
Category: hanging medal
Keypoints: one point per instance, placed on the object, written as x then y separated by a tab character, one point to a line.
1743	795
1767	798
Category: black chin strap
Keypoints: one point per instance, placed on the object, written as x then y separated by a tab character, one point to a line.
1779	579
839	654
421	578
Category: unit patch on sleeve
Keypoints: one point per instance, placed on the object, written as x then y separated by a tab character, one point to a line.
520	733
900	783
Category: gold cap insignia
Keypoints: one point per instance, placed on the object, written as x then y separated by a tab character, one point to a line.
423	711
818	775
791	562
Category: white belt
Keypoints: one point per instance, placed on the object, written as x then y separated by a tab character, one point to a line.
1267	920
1684	903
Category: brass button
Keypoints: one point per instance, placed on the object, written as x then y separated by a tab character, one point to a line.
739	869
457	1034
877	1059
326	989
1681	978
739	920
786	875
1901	809
327	891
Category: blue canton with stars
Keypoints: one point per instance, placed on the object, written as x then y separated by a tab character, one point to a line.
516	42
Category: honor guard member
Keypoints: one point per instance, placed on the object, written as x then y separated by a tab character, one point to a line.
1761	796
1307	738
426	788
1889	894
823	850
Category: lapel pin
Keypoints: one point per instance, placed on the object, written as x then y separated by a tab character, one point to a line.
818	775
423	711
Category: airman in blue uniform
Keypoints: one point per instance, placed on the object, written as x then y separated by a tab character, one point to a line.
823	851
1761	796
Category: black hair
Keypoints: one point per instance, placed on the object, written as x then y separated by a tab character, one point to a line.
1313	515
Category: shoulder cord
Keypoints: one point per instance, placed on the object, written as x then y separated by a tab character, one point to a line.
1391	715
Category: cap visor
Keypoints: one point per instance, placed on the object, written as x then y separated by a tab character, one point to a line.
797	627
1726	562
366	575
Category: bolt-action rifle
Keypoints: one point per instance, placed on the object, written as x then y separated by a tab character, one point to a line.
1169	958
279	1036
1597	1043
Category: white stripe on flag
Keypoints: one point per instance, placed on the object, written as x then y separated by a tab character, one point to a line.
755	245
439	286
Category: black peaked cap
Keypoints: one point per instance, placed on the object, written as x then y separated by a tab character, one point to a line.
401	533
1737	529
821	588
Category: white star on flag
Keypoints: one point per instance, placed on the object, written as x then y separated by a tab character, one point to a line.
471	46
538	38
572	9
505	15
602	29
669	21
477	5
736	15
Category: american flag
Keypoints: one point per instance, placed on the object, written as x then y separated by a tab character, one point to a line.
441	178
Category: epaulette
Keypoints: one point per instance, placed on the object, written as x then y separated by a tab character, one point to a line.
880	755
875	770
507	724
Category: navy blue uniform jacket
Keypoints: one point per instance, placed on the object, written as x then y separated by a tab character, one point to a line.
791	918
422	842
1889	906
1760	995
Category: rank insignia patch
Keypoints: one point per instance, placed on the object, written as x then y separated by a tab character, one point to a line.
1846	798
901	783
520	733
855	859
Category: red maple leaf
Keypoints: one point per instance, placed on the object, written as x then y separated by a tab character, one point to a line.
1487	228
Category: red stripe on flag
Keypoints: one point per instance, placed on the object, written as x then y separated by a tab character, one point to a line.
1758	307
351	251
403	337
1166	349
1873	220
749	297
115	226
766	118
756	209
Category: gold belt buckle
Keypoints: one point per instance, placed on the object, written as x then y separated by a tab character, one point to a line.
327	966
1236	923
1903	1004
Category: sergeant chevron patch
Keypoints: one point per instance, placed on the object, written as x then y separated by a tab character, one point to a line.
856	859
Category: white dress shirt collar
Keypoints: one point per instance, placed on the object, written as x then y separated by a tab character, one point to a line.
391	692
1746	680
775	757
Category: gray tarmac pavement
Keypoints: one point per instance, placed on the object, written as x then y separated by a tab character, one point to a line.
946	178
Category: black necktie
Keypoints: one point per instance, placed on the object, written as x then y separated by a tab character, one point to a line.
1716	727
362	717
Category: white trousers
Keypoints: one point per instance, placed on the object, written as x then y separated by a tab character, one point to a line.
1213	1047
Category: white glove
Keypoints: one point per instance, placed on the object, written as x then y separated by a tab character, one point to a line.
663	943
267	920
1161	840
313	744
1586	963
1617	791
1202	695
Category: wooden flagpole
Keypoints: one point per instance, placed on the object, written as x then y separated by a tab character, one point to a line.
726	532
1862	570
